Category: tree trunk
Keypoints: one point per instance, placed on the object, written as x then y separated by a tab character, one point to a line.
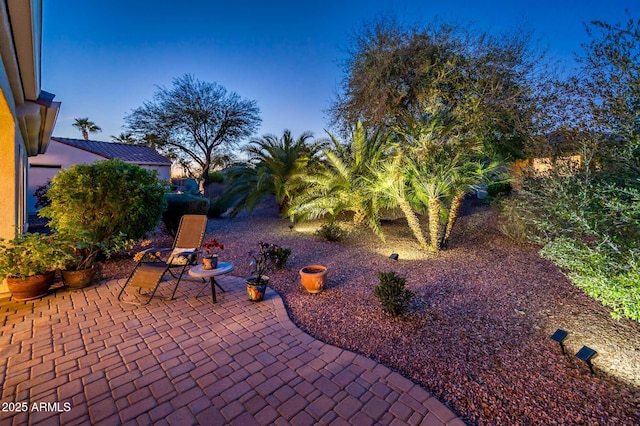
359	218
205	174
413	222
454	212
434	223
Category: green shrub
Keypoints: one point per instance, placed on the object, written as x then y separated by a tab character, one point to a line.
495	189
278	255
180	204
612	278
392	294
589	224
216	177
332	232
512	222
218	206
105	203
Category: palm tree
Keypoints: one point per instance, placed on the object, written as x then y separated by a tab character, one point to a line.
465	179
274	168
387	185
337	185
86	126
124	137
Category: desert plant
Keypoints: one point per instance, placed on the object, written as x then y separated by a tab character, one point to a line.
331	231
392	294
104	203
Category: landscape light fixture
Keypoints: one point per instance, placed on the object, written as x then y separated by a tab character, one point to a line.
394	256
585	354
559	337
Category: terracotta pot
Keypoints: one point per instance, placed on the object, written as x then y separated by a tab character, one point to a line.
79	279
313	277
29	288
255	292
210	262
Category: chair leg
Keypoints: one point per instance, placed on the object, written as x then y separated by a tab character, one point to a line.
178	281
127	282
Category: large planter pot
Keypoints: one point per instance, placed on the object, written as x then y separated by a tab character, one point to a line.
29	288
255	292
313	278
79	279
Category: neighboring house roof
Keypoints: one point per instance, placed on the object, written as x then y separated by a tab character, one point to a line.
138	154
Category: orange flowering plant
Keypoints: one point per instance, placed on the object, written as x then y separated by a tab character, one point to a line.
140	255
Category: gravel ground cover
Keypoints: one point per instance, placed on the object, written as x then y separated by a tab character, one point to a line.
476	334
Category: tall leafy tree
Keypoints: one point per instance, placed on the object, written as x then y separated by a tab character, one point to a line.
86	126
196	120
395	75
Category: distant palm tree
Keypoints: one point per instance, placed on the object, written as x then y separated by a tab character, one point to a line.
86	126
125	137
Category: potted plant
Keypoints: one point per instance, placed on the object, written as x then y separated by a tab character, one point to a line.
29	261
84	268
210	256
313	278
267	257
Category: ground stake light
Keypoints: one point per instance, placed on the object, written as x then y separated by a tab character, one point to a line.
585	354
394	256
559	337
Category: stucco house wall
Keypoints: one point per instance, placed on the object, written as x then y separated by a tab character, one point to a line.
27	113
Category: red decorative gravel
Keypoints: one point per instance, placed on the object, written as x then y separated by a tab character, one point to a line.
477	331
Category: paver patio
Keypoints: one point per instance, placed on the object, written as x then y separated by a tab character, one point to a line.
188	361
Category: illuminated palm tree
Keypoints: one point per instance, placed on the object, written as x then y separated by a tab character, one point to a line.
337	186
86	126
387	185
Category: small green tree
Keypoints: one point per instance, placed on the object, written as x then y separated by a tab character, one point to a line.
105	203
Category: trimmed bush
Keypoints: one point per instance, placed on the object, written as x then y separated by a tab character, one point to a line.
218	206
180	204
105	203
216	177
392	294
332	232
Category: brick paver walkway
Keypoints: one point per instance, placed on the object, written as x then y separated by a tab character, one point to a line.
186	362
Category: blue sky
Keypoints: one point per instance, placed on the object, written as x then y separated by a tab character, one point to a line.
104	58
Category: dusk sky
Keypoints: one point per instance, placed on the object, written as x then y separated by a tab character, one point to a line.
104	58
